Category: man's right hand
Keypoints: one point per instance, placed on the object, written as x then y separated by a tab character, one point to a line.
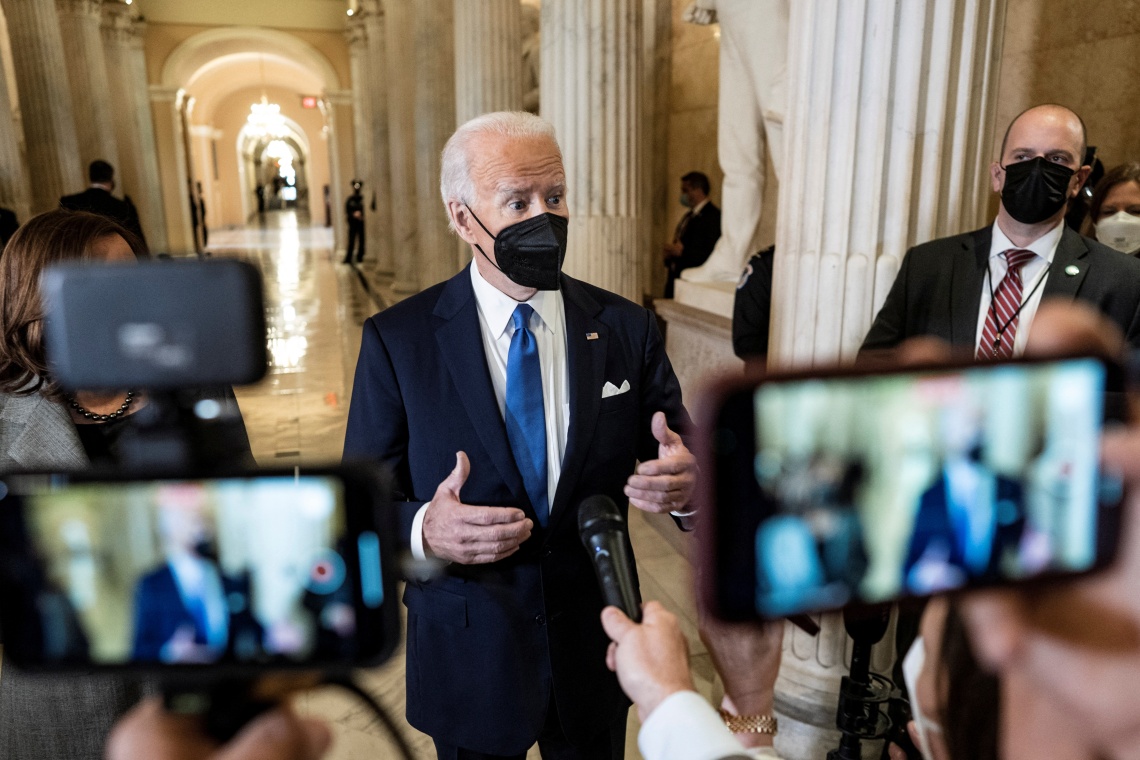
469	535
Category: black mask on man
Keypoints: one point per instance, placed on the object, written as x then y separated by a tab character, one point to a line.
1035	190
530	253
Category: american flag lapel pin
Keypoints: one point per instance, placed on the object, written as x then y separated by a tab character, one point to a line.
591	336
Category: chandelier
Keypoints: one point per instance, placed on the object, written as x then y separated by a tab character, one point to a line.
265	120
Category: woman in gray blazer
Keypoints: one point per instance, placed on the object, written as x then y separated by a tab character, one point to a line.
43	429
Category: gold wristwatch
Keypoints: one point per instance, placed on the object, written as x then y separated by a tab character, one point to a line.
749	724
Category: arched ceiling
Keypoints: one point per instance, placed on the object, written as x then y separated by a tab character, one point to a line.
219	78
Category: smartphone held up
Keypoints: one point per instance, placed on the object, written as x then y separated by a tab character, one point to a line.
853	488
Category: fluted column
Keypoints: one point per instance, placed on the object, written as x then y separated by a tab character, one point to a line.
435	121
591	92
45	101
14	193
378	222
887	138
361	112
134	123
79	22
401	59
488	57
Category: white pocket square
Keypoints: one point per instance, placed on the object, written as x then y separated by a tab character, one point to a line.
609	389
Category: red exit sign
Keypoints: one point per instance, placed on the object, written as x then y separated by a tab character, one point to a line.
308	101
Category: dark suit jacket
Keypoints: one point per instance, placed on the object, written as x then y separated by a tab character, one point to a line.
98	201
159	613
8	226
933	523
487	643
698	238
938	289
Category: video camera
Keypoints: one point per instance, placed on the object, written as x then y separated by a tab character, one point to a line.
183	563
856	489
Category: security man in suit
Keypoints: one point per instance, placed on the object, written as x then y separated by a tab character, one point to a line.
981	289
97	199
696	233
501	399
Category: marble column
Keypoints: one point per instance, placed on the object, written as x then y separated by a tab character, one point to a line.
400	56
488	57
435	121
361	113
591	92
887	138
14	192
134	123
79	22
45	101
378	222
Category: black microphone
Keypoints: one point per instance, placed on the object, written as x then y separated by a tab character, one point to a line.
605	536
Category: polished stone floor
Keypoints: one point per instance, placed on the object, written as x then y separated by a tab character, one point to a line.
315	307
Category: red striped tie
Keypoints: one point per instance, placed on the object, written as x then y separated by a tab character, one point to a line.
1002	317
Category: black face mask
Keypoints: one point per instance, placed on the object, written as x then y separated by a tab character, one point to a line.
1035	190
530	253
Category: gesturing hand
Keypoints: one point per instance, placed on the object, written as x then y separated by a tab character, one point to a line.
664	484
469	535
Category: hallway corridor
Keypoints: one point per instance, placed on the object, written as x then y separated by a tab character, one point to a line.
296	415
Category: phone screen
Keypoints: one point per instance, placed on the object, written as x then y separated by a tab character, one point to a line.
866	489
250	570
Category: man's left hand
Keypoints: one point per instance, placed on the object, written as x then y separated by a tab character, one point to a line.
664	484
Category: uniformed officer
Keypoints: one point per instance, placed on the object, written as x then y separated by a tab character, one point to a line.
354	214
752	309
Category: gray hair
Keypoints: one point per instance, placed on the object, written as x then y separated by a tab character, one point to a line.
455	183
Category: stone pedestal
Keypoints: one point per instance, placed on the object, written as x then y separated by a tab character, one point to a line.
79	22
699	344
45	101
129	92
488	57
887	138
378	221
592	93
400	55
435	121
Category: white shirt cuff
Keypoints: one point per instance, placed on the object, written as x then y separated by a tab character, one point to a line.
686	727
417	542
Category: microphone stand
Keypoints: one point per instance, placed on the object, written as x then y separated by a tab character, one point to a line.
862	694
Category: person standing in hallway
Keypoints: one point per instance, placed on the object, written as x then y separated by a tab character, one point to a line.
981	289
696	233
354	215
97	199
501	399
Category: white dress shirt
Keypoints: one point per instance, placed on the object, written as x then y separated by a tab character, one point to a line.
1033	275
686	727
496	327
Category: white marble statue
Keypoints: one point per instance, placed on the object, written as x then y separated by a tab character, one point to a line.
753	74
531	48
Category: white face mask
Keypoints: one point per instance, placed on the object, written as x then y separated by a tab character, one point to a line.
1121	231
912	666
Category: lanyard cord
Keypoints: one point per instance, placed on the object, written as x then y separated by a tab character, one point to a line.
990	281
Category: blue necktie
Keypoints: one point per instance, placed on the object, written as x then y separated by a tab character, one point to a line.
526	419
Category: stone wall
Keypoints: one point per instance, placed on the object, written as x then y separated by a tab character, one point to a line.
1082	55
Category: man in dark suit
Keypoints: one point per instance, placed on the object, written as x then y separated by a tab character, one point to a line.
981	289
187	611
97	199
970	519
696	233
523	391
